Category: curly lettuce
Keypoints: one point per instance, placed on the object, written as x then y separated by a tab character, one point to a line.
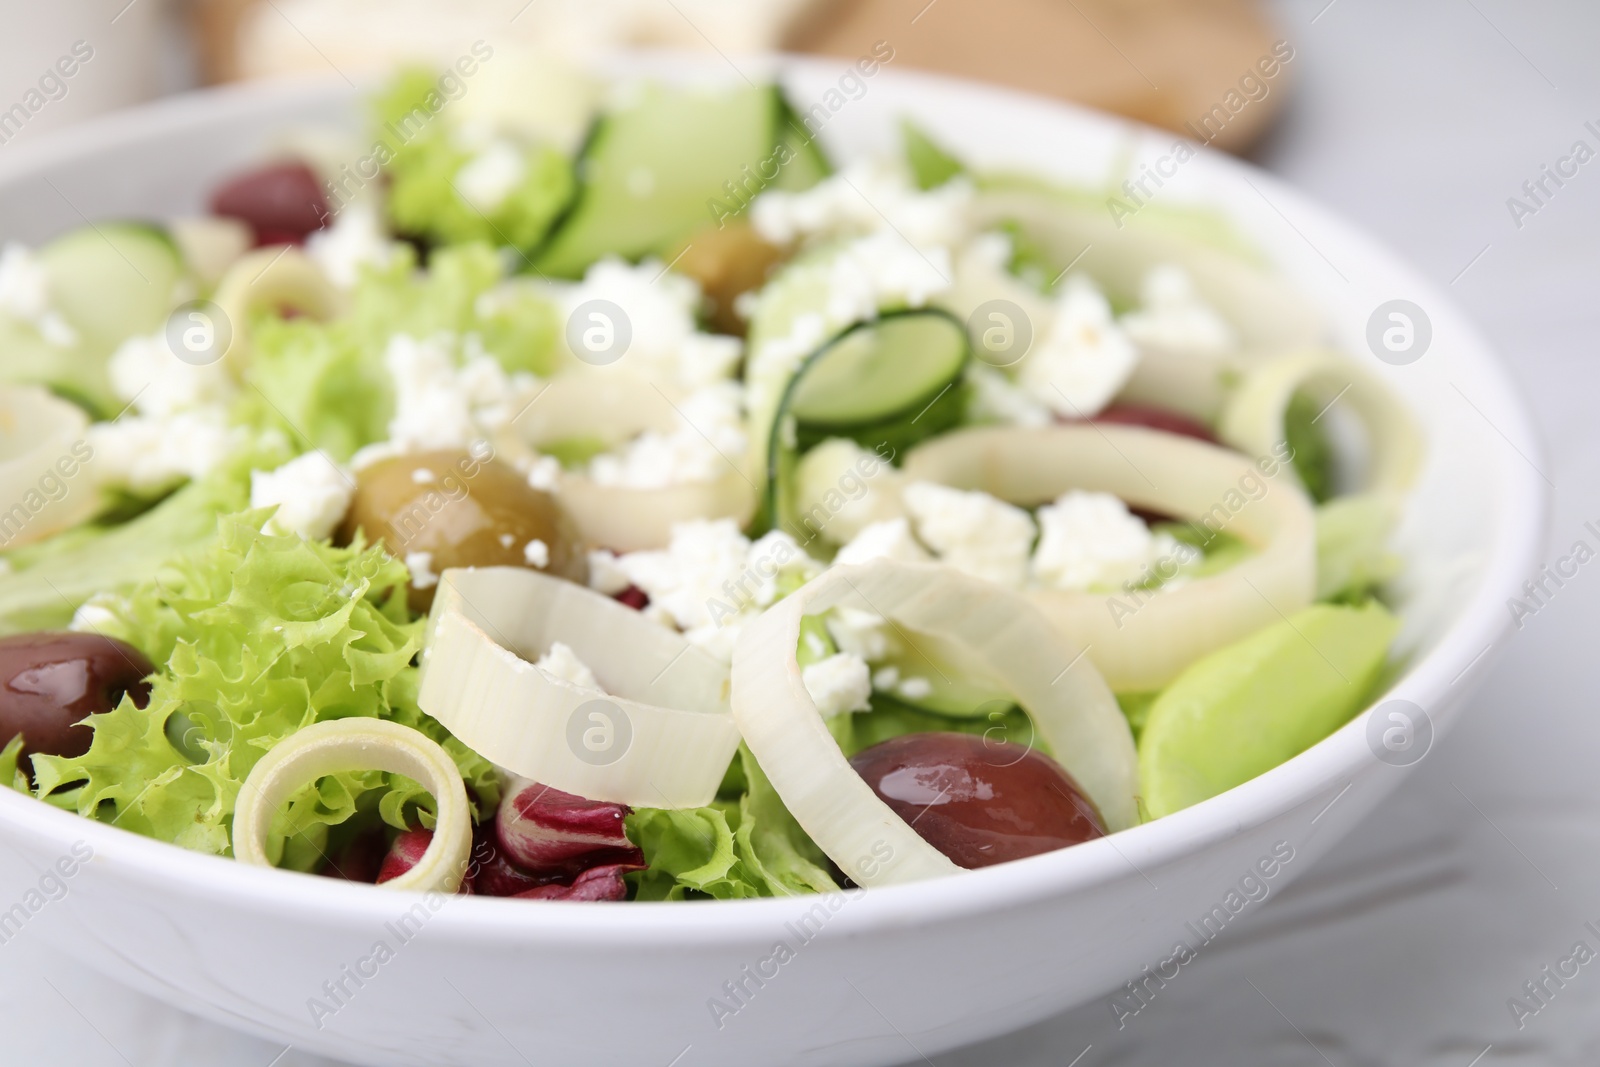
258	636
425	196
324	384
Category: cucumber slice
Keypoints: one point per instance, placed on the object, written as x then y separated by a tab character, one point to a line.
652	172
113	281
807	164
677	159
876	370
895	378
931	166
109	283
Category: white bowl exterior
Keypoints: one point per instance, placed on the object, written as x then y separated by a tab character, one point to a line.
890	973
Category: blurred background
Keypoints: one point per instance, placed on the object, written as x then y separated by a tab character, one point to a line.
1159	61
1417	119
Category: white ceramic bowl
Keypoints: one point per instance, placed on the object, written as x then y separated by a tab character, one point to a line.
876	977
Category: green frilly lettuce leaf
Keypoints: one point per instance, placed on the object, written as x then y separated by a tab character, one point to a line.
259	636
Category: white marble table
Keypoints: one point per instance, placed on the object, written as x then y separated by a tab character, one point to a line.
1403	947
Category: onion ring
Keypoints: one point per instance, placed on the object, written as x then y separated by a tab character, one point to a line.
660	735
1062	692
1141	639
360	744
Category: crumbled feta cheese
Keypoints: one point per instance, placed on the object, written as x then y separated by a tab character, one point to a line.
867	197
605	576
147	455
537	553
815	645
700	450
1084	358
145	373
886	678
839	684
972	531
493	174
1091	540
1173	317
25	295
355	240
544	474
660	306
883	540
915	689
883	270
996	398
711	579
312	494
859	632
563	664
442	405
506	540
420	564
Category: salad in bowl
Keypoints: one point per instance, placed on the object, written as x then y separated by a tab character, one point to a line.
601	493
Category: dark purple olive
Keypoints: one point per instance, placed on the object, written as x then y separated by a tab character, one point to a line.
976	800
51	682
281	202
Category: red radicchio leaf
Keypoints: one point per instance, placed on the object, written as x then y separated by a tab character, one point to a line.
596	883
634	597
546	831
404	854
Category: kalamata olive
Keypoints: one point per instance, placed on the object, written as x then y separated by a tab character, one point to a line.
50	682
1156	419
462	511
977	800
727	261
281	202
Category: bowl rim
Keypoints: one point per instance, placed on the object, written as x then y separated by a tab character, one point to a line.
1516	541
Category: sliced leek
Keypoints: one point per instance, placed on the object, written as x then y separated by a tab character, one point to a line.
271	280
1267	312
1252	421
658	735
1000	632
612	408
1140	638
42	449
360	744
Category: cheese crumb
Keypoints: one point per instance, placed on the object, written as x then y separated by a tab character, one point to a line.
544	474
710	433
660	306
1084	359
916	689
537	553
563	664
605	576
1092	540
890	539
311	492
355	240
1173	317
420	564
486	180
972	531
839	684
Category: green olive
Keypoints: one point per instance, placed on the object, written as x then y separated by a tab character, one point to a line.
464	512
728	262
